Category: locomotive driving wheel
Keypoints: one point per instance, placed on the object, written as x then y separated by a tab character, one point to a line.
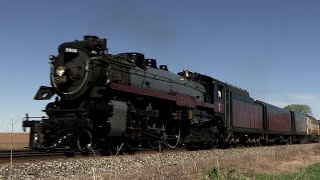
84	141
156	144
133	142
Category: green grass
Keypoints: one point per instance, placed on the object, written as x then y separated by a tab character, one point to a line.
216	174
310	173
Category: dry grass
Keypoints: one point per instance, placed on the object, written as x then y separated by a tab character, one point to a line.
232	167
278	162
19	140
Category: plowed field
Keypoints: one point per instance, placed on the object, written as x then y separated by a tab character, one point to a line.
13	140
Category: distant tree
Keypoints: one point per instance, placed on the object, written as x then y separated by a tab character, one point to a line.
303	108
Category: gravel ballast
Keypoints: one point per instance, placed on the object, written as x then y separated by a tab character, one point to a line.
122	165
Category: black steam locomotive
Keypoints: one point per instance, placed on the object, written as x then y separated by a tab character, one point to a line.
106	101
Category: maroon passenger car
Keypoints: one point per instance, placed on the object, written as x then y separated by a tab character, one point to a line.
277	123
247	115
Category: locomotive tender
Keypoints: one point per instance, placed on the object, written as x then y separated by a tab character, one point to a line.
124	99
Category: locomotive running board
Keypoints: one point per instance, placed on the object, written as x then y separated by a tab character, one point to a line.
44	93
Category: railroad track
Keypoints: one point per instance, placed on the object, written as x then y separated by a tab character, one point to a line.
20	155
32	155
27	153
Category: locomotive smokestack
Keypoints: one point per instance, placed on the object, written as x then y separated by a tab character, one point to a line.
90	38
101	44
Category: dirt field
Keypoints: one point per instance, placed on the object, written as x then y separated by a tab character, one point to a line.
19	140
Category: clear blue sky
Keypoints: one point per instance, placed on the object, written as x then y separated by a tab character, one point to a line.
271	48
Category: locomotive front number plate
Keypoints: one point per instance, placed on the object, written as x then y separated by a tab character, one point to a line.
61	79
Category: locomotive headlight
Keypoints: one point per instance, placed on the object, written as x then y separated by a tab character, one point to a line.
60	70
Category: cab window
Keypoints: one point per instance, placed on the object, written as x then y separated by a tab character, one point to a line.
220	92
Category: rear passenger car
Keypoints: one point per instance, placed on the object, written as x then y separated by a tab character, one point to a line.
299	127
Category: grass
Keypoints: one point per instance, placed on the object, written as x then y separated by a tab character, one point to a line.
243	165
311	172
217	173
297	163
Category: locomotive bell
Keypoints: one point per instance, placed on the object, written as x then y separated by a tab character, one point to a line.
186	73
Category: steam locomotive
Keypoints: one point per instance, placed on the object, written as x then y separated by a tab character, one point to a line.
106	101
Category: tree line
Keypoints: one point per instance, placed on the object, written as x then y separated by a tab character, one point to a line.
303	108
